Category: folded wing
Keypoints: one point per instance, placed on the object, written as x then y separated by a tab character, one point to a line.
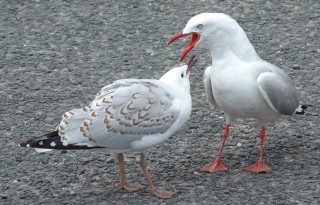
277	89
121	113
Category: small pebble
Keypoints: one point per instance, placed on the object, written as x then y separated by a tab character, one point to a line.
296	67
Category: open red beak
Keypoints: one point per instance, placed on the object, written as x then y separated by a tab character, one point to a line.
195	37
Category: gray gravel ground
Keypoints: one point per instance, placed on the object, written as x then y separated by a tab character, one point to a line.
56	55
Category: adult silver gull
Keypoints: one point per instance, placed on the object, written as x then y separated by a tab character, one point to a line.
239	82
129	115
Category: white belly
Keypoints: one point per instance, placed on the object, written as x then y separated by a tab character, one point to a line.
237	94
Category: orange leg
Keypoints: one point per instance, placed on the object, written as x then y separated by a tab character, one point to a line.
127	186
260	166
217	165
161	193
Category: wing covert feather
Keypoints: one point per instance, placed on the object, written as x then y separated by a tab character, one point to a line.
279	92
122	112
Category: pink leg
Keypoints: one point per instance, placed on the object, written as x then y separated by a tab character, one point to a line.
161	193
217	165
127	186
260	166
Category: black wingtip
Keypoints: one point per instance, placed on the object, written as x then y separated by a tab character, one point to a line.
301	109
43	141
52	140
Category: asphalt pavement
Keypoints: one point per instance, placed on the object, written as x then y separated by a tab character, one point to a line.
56	55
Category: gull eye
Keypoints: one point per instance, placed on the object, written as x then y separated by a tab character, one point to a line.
182	75
199	26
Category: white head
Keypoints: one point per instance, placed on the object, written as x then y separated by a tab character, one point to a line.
217	32
179	76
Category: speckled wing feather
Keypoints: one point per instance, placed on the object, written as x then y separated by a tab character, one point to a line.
121	113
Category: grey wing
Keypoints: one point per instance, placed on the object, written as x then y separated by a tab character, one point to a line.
122	112
208	86
278	90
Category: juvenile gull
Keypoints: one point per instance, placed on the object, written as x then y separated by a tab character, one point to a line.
239	82
129	115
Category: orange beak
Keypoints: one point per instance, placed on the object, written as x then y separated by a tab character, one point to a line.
195	37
